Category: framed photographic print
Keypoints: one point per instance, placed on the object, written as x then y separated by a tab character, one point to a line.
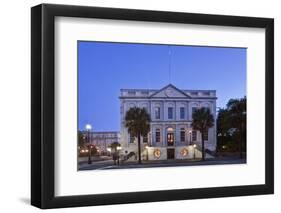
139	106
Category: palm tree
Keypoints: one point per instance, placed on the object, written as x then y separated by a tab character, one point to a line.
137	120
202	120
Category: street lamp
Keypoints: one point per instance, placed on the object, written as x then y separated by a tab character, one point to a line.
118	148
194	147
88	128
146	148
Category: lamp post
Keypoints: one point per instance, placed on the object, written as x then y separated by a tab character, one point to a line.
118	148
194	147
146	148
88	128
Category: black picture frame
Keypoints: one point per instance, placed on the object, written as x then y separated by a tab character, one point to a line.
43	102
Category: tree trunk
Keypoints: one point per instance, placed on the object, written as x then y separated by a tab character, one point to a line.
139	148
203	146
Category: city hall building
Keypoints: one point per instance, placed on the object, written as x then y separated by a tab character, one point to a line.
171	135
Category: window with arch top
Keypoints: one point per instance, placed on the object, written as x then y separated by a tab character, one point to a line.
157	135
182	135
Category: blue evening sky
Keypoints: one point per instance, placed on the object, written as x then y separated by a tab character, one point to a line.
104	68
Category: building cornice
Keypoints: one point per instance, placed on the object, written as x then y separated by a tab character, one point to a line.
172	86
170	122
151	93
165	98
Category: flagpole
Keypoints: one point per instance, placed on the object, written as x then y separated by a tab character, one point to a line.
170	54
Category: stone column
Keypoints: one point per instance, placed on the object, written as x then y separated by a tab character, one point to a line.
164	142
175	116
162	111
152	135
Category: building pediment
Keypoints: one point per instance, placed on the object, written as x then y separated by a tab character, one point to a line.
169	91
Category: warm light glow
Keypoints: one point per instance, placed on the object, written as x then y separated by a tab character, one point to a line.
194	145
170	129
108	149
157	153
146	146
119	148
88	127
184	152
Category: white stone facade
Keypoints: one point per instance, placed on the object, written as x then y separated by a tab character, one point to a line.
171	134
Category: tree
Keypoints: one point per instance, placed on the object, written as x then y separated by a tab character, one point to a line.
223	129
231	126
202	120
223	122
237	108
137	121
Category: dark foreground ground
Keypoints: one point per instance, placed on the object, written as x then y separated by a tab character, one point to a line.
107	163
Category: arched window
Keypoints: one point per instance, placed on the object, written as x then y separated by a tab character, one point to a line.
157	112
194	135
207	106
193	109
170	112
182	134
132	139
157	135
182	113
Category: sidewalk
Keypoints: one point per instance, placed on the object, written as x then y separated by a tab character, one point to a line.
94	158
101	165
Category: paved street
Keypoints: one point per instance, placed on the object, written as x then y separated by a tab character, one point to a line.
108	164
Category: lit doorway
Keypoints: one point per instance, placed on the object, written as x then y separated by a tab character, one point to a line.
170	139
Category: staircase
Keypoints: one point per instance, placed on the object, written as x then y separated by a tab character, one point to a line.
208	153
134	157
130	157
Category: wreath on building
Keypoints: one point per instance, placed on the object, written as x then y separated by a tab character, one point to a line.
157	153
184	152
